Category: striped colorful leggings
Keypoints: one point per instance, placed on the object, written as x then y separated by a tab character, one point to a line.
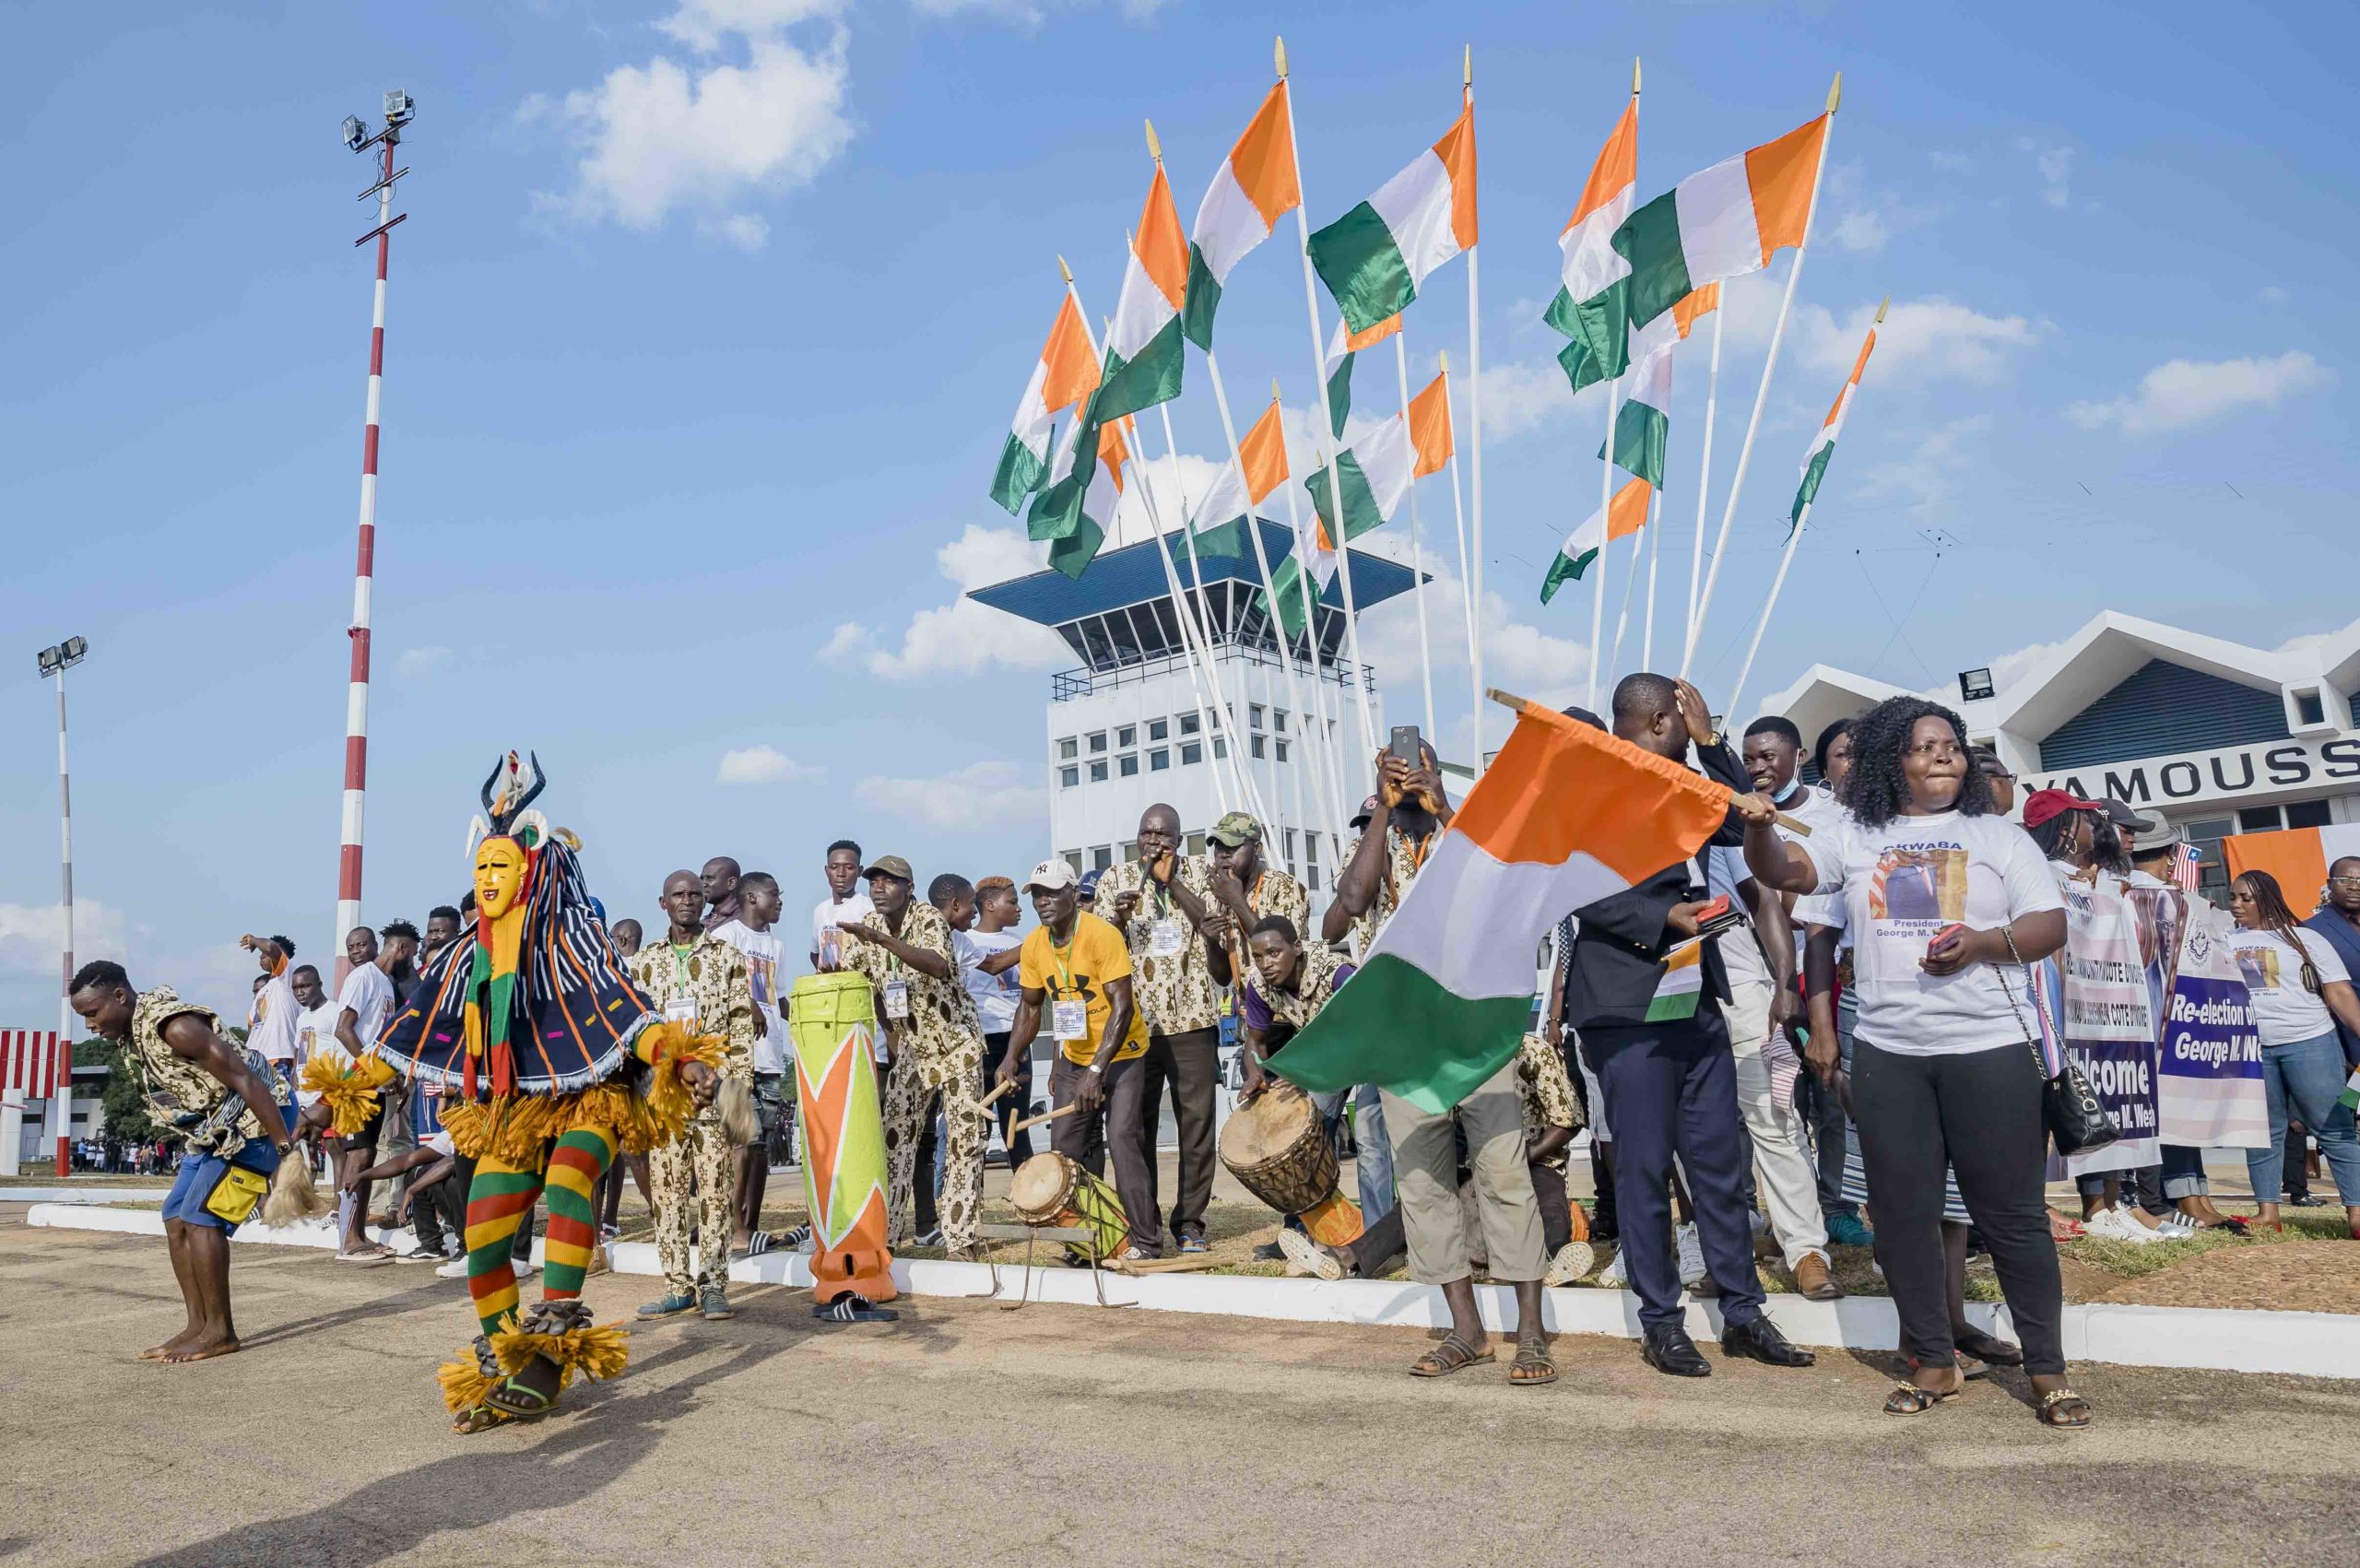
500	1198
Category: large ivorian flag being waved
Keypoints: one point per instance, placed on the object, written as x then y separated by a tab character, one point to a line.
1564	816
1065	374
1252	190
1374	474
1337	367
1719	224
1588	303
1373	258
1823	445
1623	515
1144	352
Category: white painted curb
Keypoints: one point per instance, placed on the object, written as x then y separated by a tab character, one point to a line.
2309	1344
83	1195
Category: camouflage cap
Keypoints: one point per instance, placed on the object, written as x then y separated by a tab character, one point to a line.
1234	829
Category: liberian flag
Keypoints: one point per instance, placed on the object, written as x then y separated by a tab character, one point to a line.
1641	424
1144	355
1252	190
1623	515
1564	816
1375	472
1064	375
1236	495
1823	445
1337	367
1584	367
1589	305
1719	224
1373	258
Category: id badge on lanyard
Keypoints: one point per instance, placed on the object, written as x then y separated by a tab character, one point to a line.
1166	937
1069	1019
680	1009
897	999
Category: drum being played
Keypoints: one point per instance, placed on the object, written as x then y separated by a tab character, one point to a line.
1276	1145
1050	1189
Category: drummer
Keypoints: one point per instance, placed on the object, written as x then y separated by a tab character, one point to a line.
1286	989
1078	968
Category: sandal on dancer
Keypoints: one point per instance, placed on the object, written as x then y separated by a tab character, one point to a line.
1533	1367
1453	1354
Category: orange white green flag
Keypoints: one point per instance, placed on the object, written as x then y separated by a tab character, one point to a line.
1065	373
1336	367
1625	514
1823	445
1588	301
1373	258
1144	345
1254	187
1238	491
1564	816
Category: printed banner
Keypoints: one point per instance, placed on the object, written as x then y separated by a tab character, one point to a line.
2210	1072
2109	1021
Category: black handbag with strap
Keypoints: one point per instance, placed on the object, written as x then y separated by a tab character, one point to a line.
2069	1107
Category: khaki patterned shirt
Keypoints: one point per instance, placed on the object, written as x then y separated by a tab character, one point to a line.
1278	893
718	984
1404	856
1174	991
1314	982
942	1016
173	1086
1547	1092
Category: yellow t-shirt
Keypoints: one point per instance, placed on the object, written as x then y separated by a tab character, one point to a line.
1082	968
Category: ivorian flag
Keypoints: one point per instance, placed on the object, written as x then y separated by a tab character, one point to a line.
1313	558
1641	426
1144	352
1374	473
1064	375
1564	816
1583	367
1075	510
1623	515
1252	190
1588	307
1373	258
1719	224
1337	367
1823	445
1236	495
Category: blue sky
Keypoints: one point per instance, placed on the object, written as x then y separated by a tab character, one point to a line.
709	315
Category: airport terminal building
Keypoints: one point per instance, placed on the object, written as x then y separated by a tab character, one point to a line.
2220	737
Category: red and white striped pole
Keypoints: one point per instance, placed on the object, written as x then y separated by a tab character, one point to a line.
356	713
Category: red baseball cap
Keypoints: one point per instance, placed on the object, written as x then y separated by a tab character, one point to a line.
2043	804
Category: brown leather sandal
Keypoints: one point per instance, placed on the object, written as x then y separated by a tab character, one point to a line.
1908	1399
2064	1408
1533	1367
1453	1354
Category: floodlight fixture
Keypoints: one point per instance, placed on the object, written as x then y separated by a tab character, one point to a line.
400	108
356	134
63	656
1975	685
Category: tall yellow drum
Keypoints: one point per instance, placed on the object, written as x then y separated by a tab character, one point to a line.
840	1134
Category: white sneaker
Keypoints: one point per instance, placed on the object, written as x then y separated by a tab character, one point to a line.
455	1269
1573	1261
1692	1256
1307	1256
1613	1277
2115	1226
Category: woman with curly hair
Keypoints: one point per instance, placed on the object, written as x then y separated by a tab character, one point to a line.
2300	988
1946	902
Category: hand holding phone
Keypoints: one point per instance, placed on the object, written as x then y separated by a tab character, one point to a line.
1946	953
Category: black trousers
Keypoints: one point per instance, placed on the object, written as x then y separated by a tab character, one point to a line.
439	1209
1116	1130
1556	1214
1188	1066
1671	1090
1016	1105
1980	1111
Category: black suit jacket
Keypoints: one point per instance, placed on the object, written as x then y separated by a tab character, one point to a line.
1620	945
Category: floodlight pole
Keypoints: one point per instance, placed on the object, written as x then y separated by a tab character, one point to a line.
62	1100
356	715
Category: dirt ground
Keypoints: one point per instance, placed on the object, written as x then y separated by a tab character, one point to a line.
965	1434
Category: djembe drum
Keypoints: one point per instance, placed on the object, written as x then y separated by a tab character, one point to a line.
1050	1189
1277	1147
840	1136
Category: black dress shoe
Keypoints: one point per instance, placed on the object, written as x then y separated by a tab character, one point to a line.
1668	1349
1760	1341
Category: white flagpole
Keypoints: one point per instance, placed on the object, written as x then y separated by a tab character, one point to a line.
1785	561
1475	430
1704	483
1327	424
1338	810
1229	730
1605	543
1417	548
1171	578
1466	580
1761	396
1655	520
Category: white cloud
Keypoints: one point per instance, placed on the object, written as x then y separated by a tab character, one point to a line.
2271	294
1519	397
2179	394
1921	340
1027	13
1927	476
963	637
1863	219
2010	668
2056	166
708	136
980	795
764	765
1951	162
1517	656
32	934
416	663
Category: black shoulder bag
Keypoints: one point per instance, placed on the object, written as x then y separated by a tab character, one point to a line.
2074	1118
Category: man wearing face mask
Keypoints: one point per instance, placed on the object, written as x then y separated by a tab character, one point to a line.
1179	940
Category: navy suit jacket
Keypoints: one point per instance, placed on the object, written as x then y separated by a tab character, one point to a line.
2345	940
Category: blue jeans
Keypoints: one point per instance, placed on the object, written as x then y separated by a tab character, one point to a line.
201	1171
1374	1164
2308	1075
2184	1172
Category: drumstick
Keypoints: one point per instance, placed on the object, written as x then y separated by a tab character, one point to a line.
1015	1127
996	1093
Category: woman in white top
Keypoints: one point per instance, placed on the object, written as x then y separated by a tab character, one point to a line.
1946	902
2300	988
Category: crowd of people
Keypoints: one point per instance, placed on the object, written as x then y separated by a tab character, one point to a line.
1811	1033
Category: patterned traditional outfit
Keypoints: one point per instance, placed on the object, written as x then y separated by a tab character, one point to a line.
550	1059
706	989
939	1049
221	1130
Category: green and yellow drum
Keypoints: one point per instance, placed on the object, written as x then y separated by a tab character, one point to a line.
840	1134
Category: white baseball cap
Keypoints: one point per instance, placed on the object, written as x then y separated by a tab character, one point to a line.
1051	875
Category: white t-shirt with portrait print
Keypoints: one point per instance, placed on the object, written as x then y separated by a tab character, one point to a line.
1901	885
369	993
765	957
2285	1009
827	939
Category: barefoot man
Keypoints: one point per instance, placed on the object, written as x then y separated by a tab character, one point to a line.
219	1095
